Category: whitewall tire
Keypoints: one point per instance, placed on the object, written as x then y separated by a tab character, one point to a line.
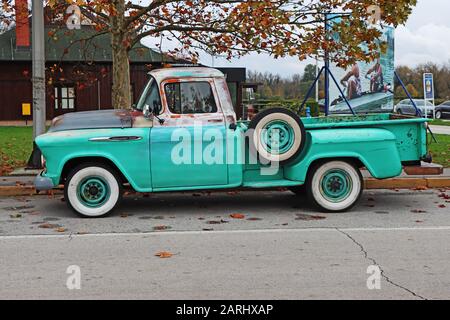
93	190
334	186
277	135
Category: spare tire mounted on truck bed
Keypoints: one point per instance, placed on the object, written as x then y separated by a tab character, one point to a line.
278	135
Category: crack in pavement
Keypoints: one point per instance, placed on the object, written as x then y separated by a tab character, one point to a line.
385	277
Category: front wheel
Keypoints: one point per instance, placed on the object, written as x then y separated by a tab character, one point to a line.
334	186
93	190
438	115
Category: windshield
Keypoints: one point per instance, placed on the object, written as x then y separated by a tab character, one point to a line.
150	97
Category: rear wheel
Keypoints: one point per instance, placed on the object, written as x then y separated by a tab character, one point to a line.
438	115
93	190
334	186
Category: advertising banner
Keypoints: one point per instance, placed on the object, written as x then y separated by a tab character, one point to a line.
368	87
428	86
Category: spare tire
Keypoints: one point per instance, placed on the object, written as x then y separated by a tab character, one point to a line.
277	135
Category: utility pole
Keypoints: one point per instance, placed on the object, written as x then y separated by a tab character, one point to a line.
38	56
38	80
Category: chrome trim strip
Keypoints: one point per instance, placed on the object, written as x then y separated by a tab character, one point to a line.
116	139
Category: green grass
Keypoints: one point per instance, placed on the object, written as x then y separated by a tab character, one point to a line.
441	150
16	144
440	123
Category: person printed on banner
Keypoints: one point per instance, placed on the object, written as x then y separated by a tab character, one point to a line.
352	82
377	79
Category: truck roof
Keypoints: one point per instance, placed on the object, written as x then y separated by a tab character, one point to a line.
185	72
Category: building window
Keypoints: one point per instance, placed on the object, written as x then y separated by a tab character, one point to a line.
190	97
65	98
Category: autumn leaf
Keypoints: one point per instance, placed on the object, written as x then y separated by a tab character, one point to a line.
237	216
164	254
161	228
418	211
49	226
61	229
307	217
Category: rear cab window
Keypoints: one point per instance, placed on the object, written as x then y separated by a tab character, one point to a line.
190	98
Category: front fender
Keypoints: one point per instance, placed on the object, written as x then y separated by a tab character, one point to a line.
132	158
375	148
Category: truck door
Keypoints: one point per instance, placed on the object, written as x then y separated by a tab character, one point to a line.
188	141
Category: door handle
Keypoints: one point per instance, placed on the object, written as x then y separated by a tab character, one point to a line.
215	120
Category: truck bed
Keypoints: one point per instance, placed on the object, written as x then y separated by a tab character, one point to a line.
411	138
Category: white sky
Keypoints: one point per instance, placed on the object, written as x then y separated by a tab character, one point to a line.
425	37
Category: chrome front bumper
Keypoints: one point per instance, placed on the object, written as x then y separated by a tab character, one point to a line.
43	183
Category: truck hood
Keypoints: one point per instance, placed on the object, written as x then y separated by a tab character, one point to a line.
102	119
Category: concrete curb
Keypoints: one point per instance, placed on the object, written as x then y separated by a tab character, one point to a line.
369	184
408	183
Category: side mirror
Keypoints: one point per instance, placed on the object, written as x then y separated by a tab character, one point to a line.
147	111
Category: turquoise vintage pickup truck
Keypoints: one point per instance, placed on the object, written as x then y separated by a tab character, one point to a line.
183	135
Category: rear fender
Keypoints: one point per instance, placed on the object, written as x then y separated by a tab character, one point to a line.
375	148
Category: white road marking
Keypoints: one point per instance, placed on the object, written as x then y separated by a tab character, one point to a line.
165	233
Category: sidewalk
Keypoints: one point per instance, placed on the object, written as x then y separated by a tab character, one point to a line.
440	129
23	185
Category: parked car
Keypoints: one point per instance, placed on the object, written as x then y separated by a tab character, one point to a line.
96	154
443	110
406	107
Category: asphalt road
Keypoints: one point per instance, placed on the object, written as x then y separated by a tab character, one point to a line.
282	249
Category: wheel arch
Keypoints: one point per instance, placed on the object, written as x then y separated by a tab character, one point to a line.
72	163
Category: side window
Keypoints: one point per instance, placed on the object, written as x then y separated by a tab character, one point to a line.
153	99
190	97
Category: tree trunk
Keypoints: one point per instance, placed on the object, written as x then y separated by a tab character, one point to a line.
121	89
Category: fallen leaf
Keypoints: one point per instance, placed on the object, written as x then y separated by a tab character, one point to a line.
237	216
213	222
15	216
82	232
49	226
442	206
254	219
124	215
418	211
307	217
419	221
208	229
420	189
161	227
61	229
164	254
